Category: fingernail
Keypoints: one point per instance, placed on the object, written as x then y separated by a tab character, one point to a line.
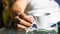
30	24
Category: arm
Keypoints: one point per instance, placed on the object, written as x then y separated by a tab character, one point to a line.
19	7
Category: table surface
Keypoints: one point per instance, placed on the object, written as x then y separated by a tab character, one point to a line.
12	31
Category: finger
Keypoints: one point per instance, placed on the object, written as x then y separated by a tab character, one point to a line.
25	17
21	26
23	22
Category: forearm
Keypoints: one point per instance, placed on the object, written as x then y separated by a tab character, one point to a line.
19	7
22	4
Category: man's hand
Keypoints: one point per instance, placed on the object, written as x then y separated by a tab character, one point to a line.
24	21
18	14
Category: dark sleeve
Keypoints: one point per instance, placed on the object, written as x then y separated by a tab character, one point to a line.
58	1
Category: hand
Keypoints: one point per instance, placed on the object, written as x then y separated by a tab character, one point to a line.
18	14
24	21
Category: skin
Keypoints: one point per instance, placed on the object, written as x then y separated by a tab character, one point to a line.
18	9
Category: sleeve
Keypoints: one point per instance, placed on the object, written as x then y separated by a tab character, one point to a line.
58	1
